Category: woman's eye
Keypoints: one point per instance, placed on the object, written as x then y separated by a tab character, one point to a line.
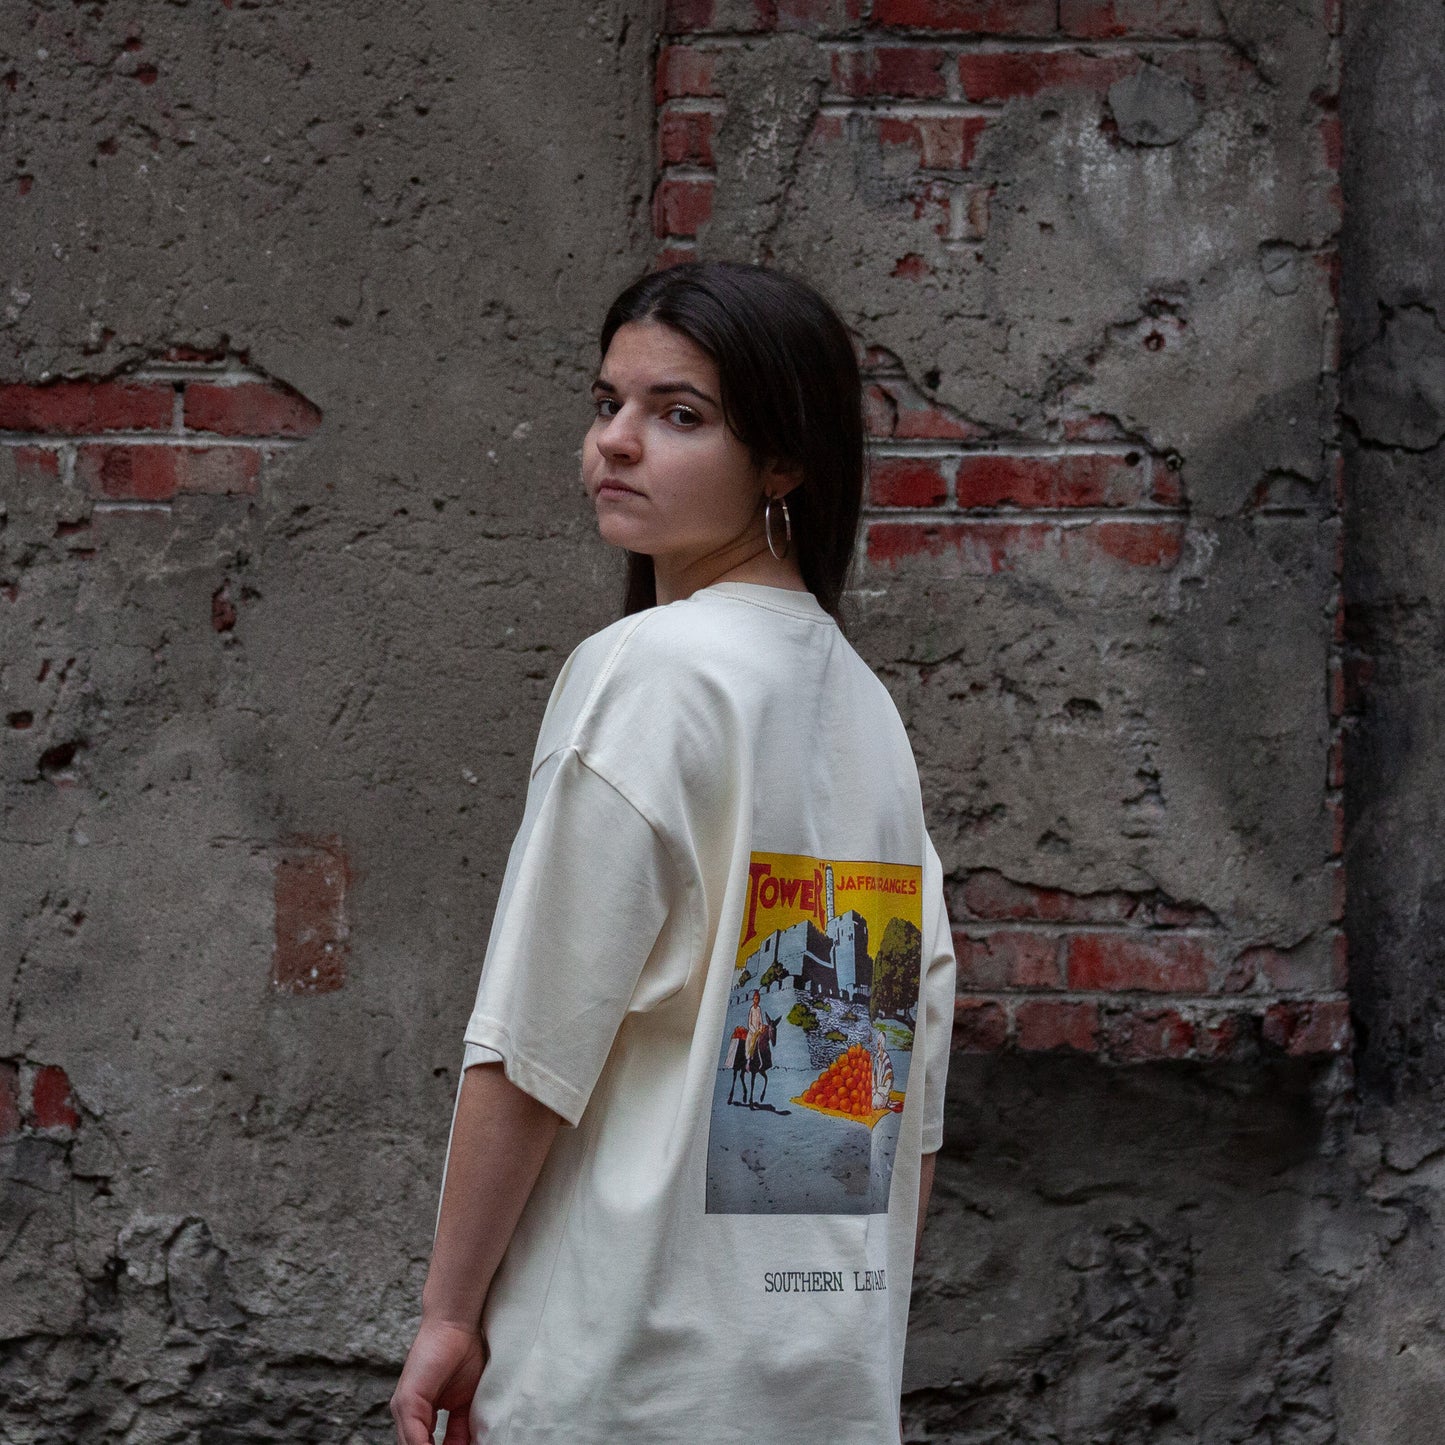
684	415
603	403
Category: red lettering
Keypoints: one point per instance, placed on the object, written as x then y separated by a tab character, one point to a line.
756	873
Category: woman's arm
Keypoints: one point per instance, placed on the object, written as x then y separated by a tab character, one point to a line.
500	1138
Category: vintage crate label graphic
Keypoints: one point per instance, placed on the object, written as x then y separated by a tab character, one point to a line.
814	1058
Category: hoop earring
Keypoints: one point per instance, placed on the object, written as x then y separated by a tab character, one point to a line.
768	526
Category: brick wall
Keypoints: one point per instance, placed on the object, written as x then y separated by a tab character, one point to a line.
1056	229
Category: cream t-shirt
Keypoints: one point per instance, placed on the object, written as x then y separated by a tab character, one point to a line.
721	952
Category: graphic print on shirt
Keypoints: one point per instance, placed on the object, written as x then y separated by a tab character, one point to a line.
814	1057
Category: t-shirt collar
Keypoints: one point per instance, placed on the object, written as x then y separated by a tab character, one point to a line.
782	599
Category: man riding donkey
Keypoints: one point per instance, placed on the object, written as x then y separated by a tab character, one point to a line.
755	1056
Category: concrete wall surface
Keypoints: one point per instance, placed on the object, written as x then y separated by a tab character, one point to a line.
298	314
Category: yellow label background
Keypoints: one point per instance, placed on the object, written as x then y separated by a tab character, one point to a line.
861	886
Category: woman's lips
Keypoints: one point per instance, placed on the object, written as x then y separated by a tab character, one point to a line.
611	487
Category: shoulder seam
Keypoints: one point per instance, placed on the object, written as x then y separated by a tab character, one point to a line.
603	673
687	876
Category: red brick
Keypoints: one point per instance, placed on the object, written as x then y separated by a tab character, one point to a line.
907	482
1167	485
1335	763
685	137
1339	952
981	548
9	1100
1335	870
939	143
911	267
1086	480
1159	963
685	70
1336	809
895	410
1103	19
1307	1028
1141	544
1335	689
157	473
51	1105
913	71
82	408
1008	959
969	17
1136	1035
1332	140
979	1026
37	464
673	256
249	408
311	945
1008	75
1096	427
1043	1024
681	207
988	894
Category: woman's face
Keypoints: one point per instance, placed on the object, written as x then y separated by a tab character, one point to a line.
667	476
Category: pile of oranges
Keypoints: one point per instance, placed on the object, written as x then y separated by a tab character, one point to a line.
846	1084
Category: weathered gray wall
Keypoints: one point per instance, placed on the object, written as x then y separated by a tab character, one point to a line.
1179	1254
413	214
246	718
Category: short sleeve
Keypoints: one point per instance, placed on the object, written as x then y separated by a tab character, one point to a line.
939	989
588	888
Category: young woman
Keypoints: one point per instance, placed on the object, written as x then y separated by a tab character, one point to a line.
723	831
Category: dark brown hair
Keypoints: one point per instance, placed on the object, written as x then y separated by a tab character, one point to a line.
790	392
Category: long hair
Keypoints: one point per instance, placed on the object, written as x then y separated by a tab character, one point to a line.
790	392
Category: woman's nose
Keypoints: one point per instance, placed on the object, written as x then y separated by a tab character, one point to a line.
619	438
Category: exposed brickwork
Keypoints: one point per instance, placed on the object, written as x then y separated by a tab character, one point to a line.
140	439
36	1099
51	1105
913	90
311	942
248	408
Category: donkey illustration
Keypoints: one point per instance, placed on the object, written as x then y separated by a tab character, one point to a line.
748	1068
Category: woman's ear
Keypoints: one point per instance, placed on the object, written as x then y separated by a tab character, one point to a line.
779	477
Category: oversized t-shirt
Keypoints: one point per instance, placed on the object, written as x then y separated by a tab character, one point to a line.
721	953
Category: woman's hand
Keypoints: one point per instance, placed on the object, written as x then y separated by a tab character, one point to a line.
441	1372
500	1138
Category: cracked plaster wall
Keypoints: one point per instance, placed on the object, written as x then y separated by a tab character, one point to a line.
215	1218
412	214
